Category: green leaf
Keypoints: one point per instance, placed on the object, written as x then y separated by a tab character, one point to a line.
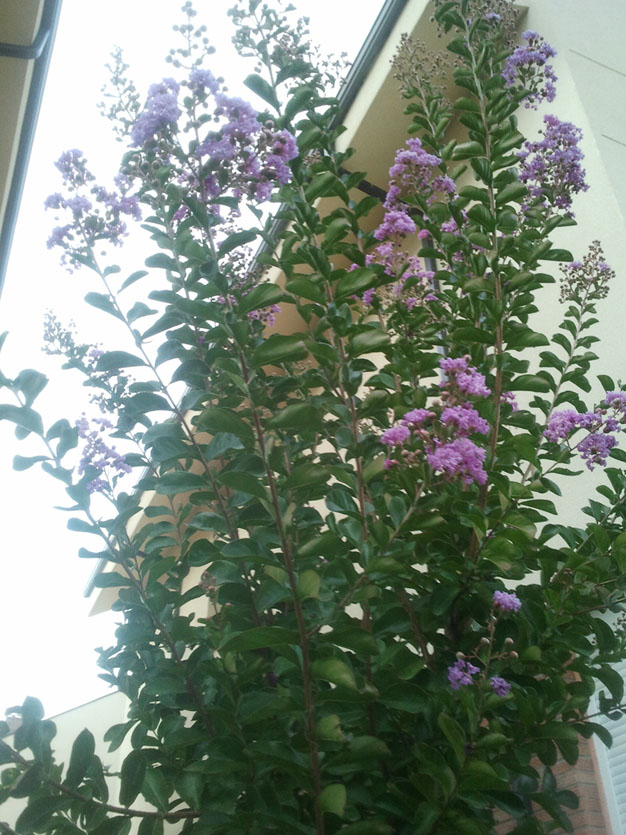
38	812
115	360
132	775
329	728
235	240
529	382
28	783
369	341
355	282
322	185
513	192
21	463
308	584
109	580
103	302
189	785
161	261
30	383
333	799
367	827
279	348
216	420
23	416
455	735
262	88
335	671
83	750
295	416
259	638
32	710
262	296
133	277
244	482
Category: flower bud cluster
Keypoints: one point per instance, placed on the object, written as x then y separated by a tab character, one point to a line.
461	672
591	276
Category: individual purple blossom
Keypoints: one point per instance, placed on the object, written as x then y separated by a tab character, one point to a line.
161	111
461	672
60	236
368	296
417	417
616	399
266	315
201	79
465	419
509	397
395	436
450	226
508	601
499	685
396	224
460	458
472	382
595	448
528	70
551	167
450	365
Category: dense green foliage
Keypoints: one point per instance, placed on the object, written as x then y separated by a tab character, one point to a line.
342	591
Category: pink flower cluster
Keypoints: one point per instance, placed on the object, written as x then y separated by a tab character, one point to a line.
415	175
445	442
600	425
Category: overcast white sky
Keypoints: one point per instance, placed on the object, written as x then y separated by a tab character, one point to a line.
46	636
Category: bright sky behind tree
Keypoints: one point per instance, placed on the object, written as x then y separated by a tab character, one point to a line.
47	638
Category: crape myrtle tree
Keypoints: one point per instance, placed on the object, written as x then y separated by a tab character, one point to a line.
404	637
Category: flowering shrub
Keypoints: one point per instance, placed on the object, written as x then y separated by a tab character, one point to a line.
347	601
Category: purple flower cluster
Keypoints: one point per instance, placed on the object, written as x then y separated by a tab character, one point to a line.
251	158
460	458
97	455
527	68
95	219
551	168
599	424
508	601
499	685
414	283
447	447
460	673
396	224
395	436
464	419
266	315
414	173
466	378
161	111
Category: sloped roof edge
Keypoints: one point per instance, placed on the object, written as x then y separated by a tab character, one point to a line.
364	61
40	52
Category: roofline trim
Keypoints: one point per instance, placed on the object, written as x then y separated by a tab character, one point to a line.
43	44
